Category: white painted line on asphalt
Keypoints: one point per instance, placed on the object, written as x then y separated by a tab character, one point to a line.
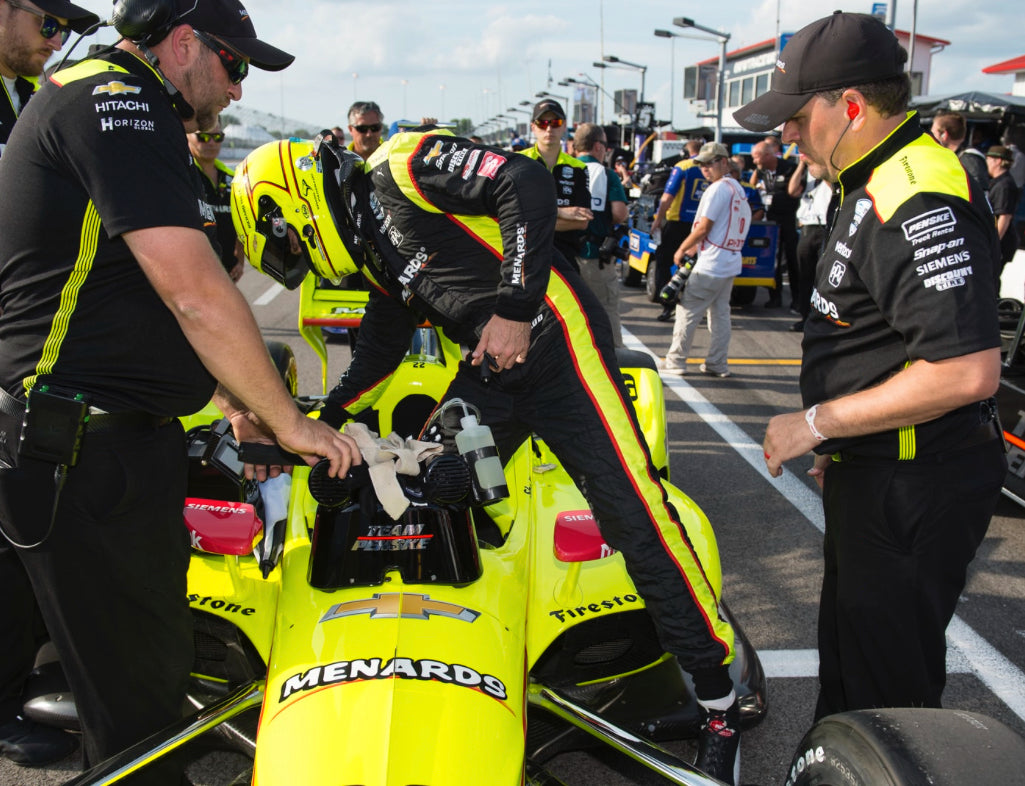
805	663
789	663
275	290
999	674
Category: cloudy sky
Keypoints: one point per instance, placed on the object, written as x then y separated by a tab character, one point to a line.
458	58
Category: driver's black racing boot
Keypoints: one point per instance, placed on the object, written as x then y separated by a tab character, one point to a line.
719	744
31	744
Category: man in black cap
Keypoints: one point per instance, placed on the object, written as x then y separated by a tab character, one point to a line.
1003	196
901	360
29	34
117	317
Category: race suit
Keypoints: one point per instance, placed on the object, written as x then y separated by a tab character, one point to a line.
906	275
470	231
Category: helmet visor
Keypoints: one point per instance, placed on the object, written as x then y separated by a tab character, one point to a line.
286	260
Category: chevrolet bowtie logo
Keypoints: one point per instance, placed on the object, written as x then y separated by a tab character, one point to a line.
435	152
391	605
115	89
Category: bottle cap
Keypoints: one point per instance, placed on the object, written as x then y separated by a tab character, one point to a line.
468	421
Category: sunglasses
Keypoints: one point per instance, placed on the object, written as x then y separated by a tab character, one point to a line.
214	137
49	27
553	122
373	128
236	66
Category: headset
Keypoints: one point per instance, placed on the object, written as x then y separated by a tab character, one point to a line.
145	23
852	110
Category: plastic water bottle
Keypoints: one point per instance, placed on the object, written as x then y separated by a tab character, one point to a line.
477	445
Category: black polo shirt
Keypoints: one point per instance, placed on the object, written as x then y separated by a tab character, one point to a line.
98	152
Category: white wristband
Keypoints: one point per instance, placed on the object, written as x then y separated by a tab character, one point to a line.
809	417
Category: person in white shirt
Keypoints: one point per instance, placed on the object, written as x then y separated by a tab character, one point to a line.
812	215
720	228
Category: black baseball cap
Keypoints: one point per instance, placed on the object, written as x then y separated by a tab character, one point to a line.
548	105
841	50
79	19
1001	152
229	21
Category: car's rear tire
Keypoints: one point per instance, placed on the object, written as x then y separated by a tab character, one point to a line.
743	296
631	276
905	747
649	283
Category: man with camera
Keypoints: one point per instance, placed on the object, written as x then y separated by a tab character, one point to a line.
597	260
717	237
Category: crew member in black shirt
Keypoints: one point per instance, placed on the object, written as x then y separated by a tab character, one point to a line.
29	34
113	302
901	358
205	146
774	175
1003	199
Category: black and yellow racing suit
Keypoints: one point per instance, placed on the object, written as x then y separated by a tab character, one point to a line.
470	231
906	275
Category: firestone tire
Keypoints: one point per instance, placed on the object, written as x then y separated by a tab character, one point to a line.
908	747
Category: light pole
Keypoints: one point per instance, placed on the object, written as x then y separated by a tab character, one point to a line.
615	61
672	71
590	84
723	39
518	109
611	61
405	84
442	114
355	76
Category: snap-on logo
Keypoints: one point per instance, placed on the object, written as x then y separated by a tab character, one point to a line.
926	223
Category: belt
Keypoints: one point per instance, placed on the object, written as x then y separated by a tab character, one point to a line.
982	434
123	422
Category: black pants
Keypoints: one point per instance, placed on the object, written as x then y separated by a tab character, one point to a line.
809	249
673	233
110	580
787	253
899	537
571	393
19	625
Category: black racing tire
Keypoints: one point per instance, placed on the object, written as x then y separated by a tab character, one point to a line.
1009	312
908	747
649	282
632	276
284	360
743	296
